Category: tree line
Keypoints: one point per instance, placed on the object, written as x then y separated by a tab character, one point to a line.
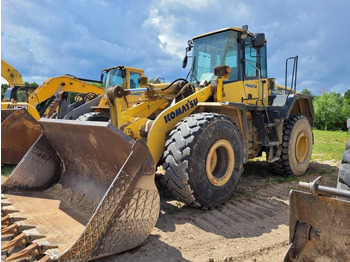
331	110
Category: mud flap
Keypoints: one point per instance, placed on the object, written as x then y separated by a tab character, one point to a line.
19	131
84	190
318	228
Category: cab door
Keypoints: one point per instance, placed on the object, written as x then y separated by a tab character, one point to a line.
254	70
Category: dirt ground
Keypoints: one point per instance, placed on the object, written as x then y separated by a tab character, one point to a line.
252	226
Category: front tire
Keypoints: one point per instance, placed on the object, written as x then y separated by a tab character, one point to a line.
94	116
204	160
296	147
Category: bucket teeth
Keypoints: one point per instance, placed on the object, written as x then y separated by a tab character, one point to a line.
29	252
15	228
5	220
6	204
19	240
24	238
8	211
11	229
9	219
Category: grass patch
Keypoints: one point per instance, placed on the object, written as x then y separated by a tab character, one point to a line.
287	179
329	145
6	170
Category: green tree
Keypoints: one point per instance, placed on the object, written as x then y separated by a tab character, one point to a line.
329	113
31	85
346	104
3	89
307	92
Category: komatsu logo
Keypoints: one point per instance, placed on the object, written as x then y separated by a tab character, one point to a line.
251	86
180	110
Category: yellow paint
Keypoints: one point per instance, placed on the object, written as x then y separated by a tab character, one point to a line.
11	75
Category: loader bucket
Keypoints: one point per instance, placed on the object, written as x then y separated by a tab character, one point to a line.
19	131
318	228
5	113
84	190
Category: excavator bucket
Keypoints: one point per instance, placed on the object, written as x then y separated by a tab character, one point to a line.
19	131
84	190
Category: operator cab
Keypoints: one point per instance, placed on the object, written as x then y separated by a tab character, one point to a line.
17	93
241	50
127	78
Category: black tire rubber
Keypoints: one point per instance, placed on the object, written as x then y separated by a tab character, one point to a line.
185	159
94	116
288	163
344	170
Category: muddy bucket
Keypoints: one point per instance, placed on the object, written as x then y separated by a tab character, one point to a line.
319	224
84	190
19	131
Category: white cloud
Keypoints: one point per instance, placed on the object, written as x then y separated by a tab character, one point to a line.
50	38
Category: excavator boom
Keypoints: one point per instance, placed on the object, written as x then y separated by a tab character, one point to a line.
11	75
20	129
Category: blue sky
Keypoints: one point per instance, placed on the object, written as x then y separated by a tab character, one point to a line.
46	38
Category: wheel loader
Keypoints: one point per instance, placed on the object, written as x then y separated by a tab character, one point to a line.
86	189
22	107
98	109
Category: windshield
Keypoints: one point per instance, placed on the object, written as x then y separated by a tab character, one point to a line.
114	78
7	95
212	51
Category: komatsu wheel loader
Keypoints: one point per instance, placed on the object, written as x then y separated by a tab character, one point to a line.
22	107
86	189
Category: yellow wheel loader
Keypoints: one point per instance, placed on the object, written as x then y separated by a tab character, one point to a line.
22	107
98	109
86	189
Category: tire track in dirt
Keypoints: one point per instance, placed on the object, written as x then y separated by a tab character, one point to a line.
229	229
252	226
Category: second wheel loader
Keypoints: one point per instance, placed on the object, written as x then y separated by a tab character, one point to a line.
19	126
100	176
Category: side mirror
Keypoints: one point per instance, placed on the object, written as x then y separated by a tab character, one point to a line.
102	75
259	40
123	73
184	62
143	80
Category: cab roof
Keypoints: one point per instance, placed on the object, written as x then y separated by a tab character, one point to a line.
219	31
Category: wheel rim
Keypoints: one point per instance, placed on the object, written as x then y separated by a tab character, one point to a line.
220	162
302	147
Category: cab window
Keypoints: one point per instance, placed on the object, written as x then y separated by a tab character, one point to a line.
134	80
251	62
254	58
231	61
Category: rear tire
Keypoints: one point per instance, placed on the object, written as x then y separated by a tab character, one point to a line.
204	160
344	170
296	147
94	116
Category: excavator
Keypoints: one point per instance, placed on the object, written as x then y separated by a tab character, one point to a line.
22	107
86	189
